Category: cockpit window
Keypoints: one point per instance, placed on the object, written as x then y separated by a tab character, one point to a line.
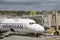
32	23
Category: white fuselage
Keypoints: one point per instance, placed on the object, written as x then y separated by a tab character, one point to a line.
22	25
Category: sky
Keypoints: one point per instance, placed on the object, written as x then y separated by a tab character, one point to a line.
30	5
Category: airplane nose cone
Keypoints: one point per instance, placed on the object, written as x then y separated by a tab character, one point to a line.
39	28
42	29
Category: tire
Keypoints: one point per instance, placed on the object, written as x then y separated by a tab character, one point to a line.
37	35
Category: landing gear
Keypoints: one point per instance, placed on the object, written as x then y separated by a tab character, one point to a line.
37	35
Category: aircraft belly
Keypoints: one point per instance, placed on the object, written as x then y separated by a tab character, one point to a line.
25	30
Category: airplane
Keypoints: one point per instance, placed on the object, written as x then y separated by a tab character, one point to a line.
22	25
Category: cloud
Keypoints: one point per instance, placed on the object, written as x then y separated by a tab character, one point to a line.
10	2
31	0
30	4
16	0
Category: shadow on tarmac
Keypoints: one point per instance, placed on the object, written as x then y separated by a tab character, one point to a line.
29	35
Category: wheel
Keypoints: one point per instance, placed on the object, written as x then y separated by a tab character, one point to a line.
37	35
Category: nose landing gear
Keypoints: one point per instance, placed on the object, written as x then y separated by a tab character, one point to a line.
37	35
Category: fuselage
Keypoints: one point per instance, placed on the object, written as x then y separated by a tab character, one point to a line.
22	25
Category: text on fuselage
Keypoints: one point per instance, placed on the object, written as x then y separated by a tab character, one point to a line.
13	25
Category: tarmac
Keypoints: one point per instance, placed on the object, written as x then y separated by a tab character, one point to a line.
31	37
